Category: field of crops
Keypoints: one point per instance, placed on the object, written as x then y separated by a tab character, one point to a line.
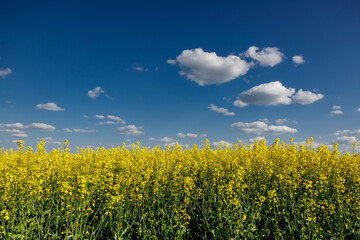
275	191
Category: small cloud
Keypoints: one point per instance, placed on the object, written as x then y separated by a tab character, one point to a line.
336	110
260	128
341	132
141	69
5	72
20	134
116	118
13	125
221	110
190	135
109	97
267	57
76	130
51	106
206	68
152	139
221	143
252	140
164	139
346	140
95	92
358	110
171	61
281	121
130	130
85	116
298	59
264	120
100	116
172	144
42	127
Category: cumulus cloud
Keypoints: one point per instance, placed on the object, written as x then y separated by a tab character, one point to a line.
221	143
51	106
267	57
260	128
274	93
42	127
95	92
221	110
207	68
190	135
298	59
306	97
5	72
129	130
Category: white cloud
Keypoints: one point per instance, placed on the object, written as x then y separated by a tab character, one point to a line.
341	132
67	130
298	59
281	120
190	135
172	144
100	116
358	110
108	122
267	57
221	110
336	110
274	93
51	106
252	140
95	92
141	69
5	72
207	68
164	139
12	125
129	130
259	128
346	140
20	134
306	97
222	143
42	127
77	130
116	118
171	61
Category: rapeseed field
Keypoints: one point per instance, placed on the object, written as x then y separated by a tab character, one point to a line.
259	191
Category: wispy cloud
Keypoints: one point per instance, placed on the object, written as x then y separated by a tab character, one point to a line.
78	130
221	110
5	72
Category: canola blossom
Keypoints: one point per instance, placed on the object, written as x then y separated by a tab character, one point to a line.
259	191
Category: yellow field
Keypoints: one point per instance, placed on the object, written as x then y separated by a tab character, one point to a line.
279	191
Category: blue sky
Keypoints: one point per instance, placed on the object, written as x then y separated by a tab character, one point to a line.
103	73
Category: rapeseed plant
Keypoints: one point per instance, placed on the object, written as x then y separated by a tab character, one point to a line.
280	191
